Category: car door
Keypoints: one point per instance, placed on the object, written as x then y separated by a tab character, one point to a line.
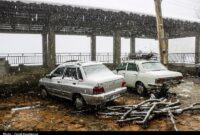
121	69
54	85
70	82
131	74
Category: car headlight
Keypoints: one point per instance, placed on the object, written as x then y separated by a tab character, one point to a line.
159	80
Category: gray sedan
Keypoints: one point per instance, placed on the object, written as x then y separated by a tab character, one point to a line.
89	83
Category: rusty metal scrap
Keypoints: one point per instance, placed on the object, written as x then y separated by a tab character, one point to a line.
147	110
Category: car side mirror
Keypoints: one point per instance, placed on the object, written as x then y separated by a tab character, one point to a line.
50	76
120	68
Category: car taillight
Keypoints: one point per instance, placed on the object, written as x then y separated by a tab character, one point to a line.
123	84
98	90
159	80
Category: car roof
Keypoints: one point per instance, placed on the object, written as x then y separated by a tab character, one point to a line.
139	61
80	63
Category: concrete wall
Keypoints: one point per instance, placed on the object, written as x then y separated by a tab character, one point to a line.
28	69
4	66
183	68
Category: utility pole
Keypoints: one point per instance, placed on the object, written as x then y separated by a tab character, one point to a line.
161	33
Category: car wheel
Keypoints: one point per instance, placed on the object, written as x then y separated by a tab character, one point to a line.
43	93
140	88
79	102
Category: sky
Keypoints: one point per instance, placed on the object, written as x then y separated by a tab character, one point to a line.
183	9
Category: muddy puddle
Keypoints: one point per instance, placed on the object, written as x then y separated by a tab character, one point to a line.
31	113
189	91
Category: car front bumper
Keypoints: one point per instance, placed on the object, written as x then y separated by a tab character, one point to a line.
104	97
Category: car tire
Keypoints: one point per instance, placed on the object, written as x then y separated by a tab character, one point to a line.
79	102
44	93
140	89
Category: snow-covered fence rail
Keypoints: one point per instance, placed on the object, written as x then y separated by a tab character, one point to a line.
23	58
36	58
101	57
187	58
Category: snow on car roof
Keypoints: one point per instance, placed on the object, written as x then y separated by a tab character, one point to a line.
90	63
140	61
80	63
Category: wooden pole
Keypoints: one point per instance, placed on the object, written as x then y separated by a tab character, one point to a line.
160	32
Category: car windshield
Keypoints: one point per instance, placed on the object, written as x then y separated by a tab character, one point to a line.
153	66
95	70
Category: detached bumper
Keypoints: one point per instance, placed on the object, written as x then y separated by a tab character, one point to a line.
104	97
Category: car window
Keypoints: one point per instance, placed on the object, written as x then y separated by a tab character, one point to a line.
132	67
79	74
71	73
122	66
153	66
59	71
97	70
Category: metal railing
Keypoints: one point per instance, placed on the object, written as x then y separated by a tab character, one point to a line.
62	57
36	58
15	59
186	58
23	58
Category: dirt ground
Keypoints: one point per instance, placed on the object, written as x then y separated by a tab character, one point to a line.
54	114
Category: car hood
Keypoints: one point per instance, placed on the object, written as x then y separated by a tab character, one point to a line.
164	73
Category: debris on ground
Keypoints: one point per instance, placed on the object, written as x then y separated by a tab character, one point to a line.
56	114
25	108
147	110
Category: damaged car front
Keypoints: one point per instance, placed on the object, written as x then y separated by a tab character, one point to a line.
148	76
157	77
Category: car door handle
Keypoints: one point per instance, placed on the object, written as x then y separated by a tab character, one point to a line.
74	83
58	82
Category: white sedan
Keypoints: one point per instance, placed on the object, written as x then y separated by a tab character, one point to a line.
147	75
